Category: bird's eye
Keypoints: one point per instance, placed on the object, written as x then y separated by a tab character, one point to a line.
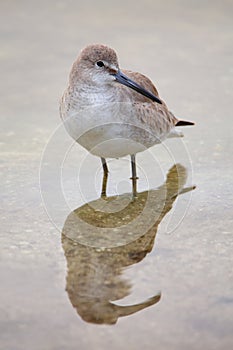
100	63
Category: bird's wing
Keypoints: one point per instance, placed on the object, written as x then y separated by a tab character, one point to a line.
149	109
154	114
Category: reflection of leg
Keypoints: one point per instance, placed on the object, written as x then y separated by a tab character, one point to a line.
105	177
134	176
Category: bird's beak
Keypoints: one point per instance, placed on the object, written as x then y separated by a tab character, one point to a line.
123	79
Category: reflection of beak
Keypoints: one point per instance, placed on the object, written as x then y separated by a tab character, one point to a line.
123	79
131	309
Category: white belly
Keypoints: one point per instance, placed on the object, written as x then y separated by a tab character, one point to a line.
110	130
110	144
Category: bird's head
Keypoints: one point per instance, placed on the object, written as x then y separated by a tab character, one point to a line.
97	65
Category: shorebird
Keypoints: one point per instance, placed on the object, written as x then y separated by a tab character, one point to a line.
112	112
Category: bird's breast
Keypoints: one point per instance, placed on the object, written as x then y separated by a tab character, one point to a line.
110	126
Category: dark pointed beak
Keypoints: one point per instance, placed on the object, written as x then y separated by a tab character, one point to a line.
123	79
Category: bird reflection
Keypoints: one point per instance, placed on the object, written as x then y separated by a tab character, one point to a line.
101	238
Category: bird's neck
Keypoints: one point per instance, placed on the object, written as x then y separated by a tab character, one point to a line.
93	94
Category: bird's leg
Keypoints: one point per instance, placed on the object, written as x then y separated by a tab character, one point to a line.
134	176
105	177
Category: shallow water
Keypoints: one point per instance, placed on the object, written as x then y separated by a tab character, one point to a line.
81	272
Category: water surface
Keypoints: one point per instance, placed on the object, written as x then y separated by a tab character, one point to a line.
77	272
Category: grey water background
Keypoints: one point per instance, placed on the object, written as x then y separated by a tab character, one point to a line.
185	47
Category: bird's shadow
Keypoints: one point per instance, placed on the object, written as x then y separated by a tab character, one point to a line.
103	237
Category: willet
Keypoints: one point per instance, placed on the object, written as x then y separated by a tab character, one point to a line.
114	113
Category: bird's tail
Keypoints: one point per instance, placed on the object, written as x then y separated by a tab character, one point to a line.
183	123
